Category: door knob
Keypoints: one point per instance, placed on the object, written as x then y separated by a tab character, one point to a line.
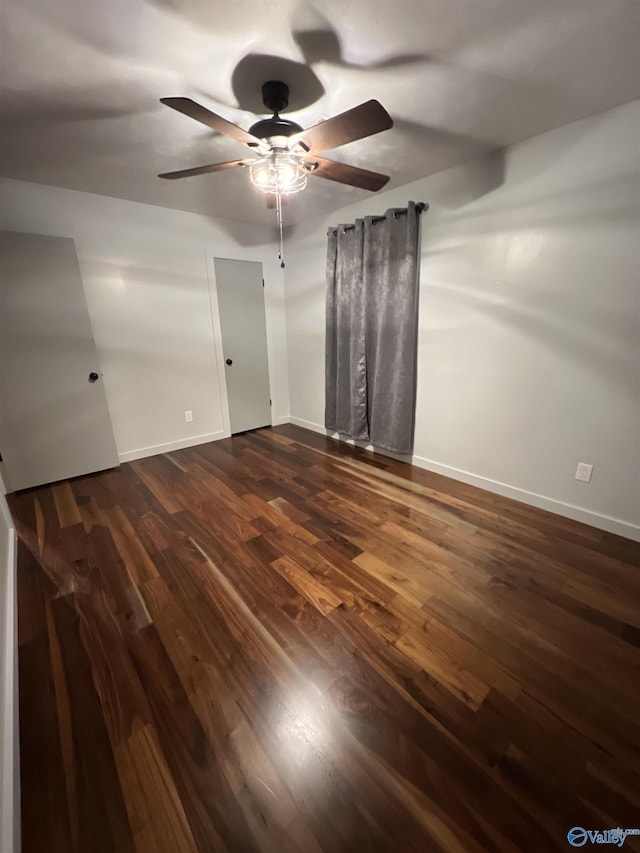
93	376
229	361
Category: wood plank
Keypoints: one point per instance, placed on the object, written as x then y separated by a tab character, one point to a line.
45	816
319	594
66	506
211	808
96	804
156	814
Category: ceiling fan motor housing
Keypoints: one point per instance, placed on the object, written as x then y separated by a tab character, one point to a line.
275	96
269	127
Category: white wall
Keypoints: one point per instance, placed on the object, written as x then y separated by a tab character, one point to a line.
147	273
9	763
529	320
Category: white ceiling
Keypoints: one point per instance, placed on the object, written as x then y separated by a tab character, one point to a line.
80	82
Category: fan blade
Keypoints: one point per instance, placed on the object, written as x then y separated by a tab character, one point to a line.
357	123
193	110
202	170
344	174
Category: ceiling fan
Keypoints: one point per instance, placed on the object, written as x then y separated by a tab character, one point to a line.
285	152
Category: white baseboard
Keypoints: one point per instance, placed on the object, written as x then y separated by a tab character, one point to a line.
576	513
9	714
284	419
363	444
153	450
309	425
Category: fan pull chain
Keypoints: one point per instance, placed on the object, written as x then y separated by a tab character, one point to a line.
279	217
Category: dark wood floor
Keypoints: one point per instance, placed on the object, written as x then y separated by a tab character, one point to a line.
278	643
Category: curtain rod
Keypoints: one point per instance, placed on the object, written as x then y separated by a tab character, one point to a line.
421	206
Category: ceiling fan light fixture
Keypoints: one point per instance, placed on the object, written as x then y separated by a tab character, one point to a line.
280	173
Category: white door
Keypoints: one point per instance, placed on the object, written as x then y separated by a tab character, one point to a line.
240	291
54	420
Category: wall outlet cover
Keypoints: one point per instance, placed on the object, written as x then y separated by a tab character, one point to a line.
583	472
188	416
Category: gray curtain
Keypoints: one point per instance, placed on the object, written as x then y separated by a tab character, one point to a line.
372	328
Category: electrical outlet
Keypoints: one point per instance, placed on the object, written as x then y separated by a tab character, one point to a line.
188	416
583	472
